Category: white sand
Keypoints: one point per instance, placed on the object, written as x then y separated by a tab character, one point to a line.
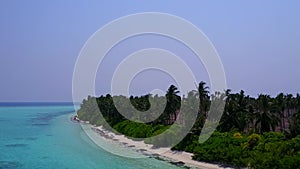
175	156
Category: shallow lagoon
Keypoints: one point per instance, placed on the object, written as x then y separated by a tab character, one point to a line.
43	137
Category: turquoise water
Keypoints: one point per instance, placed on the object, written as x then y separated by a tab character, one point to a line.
43	137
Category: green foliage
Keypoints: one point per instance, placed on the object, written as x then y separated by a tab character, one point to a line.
252	141
132	129
221	147
164	137
290	162
243	137
270	150
139	130
237	135
273	137
294	123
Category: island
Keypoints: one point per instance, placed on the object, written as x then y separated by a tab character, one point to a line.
254	132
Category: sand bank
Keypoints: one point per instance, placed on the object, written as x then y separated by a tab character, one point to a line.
177	157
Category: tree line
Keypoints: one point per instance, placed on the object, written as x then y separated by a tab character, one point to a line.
241	113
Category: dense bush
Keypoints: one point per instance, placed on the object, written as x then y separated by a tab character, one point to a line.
222	147
139	130
169	136
270	150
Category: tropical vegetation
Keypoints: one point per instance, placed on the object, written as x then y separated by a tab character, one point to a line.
261	132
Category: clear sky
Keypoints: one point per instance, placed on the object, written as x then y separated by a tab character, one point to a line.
258	42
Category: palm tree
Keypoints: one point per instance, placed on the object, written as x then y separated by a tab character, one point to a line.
204	98
294	124
280	107
289	104
226	122
295	120
265	119
236	112
243	112
203	107
173	103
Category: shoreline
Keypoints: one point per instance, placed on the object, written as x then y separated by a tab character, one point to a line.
179	158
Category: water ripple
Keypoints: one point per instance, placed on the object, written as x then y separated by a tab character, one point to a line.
15	145
9	165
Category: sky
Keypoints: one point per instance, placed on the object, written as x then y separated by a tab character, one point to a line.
257	41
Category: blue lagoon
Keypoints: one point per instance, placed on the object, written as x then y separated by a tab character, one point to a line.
42	136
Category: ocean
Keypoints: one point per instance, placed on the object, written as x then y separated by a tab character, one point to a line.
42	136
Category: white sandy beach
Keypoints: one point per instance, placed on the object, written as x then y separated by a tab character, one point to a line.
175	156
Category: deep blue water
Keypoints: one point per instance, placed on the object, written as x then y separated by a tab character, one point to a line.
41	136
